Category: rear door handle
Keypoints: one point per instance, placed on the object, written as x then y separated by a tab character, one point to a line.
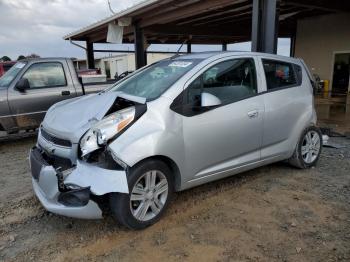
65	93
253	113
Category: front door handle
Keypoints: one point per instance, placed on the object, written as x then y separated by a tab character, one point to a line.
65	93
253	113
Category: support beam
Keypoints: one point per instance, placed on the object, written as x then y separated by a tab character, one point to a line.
189	47
90	60
324	5
224	47
195	31
264	26
293	39
292	46
140	54
132	51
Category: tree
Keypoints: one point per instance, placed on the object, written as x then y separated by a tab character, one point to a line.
33	56
5	58
21	57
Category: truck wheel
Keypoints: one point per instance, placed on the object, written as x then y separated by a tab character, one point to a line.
150	189
308	149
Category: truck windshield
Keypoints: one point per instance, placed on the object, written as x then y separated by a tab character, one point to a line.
11	74
154	80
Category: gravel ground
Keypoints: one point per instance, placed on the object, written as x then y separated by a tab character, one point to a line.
274	213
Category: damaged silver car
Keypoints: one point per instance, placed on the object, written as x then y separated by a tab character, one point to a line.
170	126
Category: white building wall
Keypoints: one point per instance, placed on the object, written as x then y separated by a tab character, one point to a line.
121	63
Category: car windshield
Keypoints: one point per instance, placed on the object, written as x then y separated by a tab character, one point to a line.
11	74
153	81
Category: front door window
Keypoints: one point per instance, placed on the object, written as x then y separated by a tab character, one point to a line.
44	75
229	81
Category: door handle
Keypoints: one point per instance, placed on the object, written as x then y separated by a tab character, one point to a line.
253	113
65	93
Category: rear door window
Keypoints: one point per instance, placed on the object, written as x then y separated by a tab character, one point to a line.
279	74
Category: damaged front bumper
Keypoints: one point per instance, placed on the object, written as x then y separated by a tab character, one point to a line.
69	193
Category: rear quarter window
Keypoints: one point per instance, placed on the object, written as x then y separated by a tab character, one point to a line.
281	74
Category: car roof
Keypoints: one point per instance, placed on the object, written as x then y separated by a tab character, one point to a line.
222	54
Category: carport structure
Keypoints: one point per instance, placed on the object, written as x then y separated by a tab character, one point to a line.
208	22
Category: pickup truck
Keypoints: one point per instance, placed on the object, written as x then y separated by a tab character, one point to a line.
31	86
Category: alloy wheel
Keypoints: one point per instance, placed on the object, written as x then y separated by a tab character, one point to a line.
149	195
311	146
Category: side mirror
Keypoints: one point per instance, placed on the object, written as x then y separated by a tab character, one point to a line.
22	85
209	100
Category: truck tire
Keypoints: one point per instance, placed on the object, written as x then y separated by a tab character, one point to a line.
308	150
151	186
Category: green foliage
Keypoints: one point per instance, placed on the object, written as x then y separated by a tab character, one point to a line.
5	58
21	57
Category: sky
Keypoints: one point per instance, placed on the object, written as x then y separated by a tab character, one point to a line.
38	26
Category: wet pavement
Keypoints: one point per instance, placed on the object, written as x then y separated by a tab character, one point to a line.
335	115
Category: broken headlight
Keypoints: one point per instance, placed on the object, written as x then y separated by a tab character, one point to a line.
101	132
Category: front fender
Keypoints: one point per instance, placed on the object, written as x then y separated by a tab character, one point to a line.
151	136
138	150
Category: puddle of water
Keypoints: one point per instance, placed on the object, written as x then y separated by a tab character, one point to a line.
336	116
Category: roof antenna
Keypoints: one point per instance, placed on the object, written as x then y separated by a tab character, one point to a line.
178	50
110	7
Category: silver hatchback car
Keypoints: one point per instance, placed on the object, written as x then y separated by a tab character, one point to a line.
170	126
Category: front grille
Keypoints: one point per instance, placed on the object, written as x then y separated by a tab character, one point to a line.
57	162
55	140
36	162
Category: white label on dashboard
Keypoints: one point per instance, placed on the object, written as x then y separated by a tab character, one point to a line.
180	64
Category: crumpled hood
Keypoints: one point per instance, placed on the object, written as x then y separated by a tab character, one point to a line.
71	118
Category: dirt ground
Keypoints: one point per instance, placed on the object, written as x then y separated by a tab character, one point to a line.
274	213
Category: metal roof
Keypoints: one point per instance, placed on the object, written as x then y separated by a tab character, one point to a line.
111	18
204	21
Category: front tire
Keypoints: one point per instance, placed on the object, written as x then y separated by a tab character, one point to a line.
150	189
308	150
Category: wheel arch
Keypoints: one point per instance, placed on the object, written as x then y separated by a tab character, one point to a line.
172	166
305	121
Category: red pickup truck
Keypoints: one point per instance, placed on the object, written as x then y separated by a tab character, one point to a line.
5	66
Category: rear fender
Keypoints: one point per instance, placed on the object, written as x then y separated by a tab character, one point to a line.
305	120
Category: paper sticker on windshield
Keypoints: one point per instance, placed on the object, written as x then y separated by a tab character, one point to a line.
20	65
180	64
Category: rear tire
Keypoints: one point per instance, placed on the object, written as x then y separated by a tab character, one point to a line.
308	150
151	186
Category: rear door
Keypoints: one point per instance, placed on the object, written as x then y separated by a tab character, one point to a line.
224	137
49	84
285	103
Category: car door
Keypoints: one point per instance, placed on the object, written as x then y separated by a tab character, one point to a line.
285	104
48	85
228	136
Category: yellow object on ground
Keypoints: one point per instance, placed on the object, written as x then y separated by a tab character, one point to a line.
326	88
